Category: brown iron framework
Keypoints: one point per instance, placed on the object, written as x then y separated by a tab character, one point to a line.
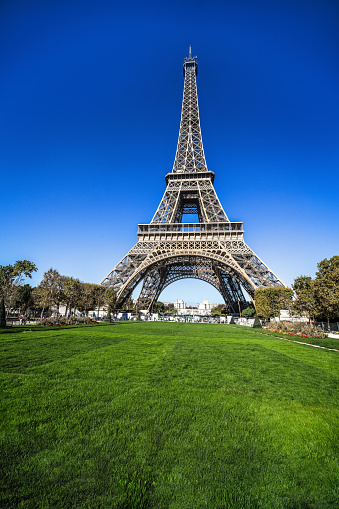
167	249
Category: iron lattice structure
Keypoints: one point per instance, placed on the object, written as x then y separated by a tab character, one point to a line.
167	249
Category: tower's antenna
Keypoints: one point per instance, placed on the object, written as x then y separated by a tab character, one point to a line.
190	55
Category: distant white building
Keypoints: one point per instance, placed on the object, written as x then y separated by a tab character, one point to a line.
201	309
205	307
180	304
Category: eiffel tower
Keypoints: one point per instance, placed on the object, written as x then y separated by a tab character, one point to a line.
167	249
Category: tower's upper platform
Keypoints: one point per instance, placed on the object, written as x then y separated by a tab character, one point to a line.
190	62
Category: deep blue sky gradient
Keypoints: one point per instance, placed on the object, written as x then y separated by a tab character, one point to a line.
90	101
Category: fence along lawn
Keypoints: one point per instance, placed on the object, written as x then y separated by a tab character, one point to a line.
167	415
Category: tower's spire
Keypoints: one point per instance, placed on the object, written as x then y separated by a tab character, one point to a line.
190	155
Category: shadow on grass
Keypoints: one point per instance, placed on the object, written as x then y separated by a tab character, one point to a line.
34	328
16	329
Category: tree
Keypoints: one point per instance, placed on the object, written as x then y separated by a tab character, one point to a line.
42	299
50	291
220	309
270	300
248	312
326	285
87	297
170	308
110	298
24	298
11	277
72	293
98	296
263	302
159	307
305	298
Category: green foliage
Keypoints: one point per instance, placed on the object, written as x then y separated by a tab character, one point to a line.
170	309
263	302
98	296
220	309
24	297
319	297
51	290
11	278
110	299
326	285
271	299
72	292
305	299
232	322
306	302
159	307
257	323
13	275
87	299
248	312
160	415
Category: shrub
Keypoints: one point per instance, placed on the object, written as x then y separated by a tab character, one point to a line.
72	320
298	329
257	323
62	320
248	312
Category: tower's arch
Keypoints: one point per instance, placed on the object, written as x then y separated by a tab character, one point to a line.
161	268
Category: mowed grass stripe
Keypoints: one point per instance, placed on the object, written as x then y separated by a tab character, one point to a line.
179	416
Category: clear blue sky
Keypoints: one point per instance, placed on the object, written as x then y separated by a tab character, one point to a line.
90	100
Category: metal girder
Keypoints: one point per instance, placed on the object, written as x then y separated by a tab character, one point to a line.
212	250
201	192
158	278
190	155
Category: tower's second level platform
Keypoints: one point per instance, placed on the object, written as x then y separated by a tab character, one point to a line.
190	231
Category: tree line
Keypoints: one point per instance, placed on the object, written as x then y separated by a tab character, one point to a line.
317	298
54	291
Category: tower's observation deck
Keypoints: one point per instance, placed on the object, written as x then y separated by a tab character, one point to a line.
190	63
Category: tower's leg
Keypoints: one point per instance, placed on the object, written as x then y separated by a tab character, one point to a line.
231	290
256	269
151	288
123	271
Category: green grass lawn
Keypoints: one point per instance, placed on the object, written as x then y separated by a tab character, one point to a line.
167	415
